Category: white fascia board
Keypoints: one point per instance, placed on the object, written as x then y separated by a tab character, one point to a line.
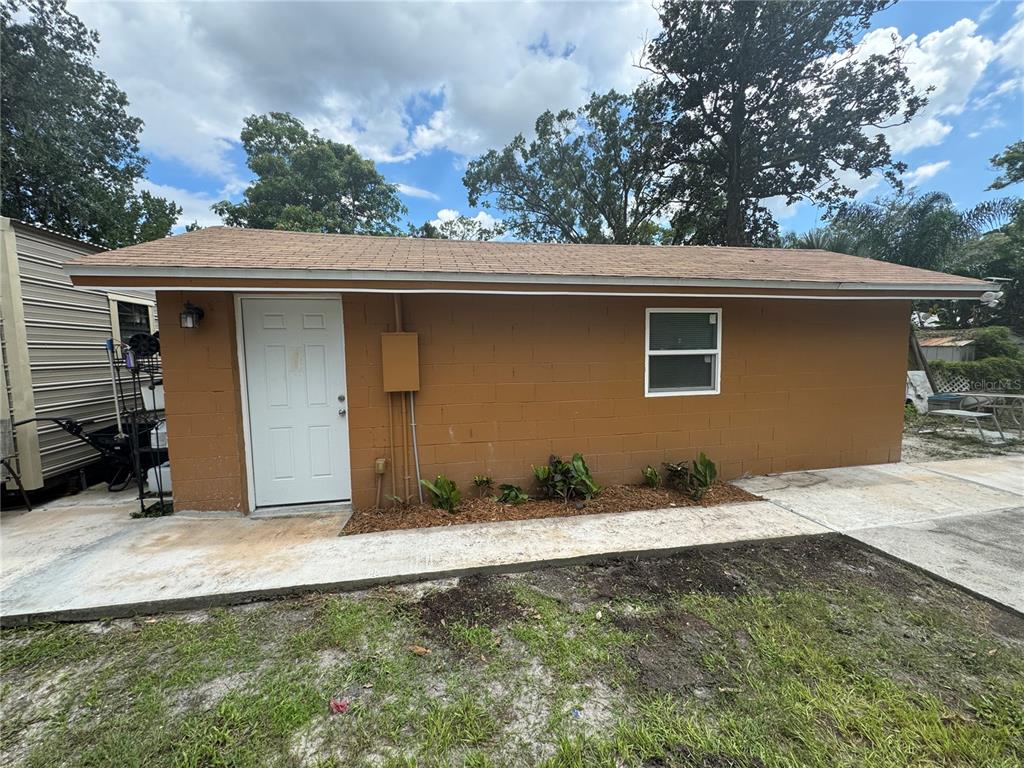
171	274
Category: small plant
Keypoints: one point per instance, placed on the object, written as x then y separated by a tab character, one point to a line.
652	479
483	484
693	480
443	492
566	480
511	494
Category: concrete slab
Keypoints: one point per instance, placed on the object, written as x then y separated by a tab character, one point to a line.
851	498
126	566
962	520
983	553
1004	473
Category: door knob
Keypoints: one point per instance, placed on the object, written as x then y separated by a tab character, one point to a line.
341	398
342	411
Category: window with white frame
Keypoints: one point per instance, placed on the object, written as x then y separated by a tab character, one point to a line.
683	351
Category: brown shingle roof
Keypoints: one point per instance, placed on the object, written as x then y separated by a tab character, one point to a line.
252	250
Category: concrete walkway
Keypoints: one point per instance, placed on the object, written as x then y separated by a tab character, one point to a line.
961	520
83	557
85	560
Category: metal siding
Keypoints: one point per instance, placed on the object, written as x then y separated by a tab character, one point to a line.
67	329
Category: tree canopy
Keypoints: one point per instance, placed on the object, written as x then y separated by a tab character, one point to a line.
457	228
307	183
70	151
1011	162
590	176
767	99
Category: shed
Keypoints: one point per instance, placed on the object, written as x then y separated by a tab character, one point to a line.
289	387
947	348
54	360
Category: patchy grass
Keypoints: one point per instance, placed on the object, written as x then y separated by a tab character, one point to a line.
812	653
934	438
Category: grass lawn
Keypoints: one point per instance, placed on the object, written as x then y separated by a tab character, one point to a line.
810	652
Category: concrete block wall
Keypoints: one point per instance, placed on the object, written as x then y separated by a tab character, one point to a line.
202	395
508	380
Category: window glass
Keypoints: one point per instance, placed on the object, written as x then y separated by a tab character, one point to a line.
683	352
683	330
681	372
132	319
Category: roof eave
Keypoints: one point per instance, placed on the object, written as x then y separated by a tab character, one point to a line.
165	277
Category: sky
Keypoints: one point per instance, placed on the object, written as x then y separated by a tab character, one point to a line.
421	88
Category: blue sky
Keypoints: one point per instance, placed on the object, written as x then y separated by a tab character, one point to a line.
423	87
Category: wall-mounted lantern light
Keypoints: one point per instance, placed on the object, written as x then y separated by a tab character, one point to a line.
191	315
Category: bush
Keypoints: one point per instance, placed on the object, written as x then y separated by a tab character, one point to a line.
566	479
511	494
483	483
995	342
444	494
693	480
651	477
1004	374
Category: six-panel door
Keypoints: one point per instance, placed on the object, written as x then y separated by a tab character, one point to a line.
295	382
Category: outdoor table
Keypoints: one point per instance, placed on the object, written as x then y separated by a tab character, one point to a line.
975	416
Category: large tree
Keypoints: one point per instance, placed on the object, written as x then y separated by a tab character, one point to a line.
592	175
457	227
70	151
767	99
307	183
1011	162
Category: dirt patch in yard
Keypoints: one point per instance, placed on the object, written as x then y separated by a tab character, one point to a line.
667	655
481	599
614	498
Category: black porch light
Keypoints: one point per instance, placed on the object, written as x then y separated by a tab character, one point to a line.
191	315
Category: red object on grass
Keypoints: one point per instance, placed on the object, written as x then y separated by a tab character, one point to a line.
339	706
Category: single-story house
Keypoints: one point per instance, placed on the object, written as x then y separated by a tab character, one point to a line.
302	361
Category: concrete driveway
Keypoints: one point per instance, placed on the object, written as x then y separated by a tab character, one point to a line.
962	520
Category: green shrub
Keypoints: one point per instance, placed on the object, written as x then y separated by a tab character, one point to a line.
995	342
1003	374
566	479
511	494
694	479
483	483
444	494
651	477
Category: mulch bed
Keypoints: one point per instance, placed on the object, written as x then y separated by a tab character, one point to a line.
614	498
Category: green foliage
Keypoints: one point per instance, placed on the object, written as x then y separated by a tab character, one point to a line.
652	479
766	99
459	228
69	150
309	184
1011	161
482	483
590	175
995	341
511	494
993	374
693	479
566	480
443	492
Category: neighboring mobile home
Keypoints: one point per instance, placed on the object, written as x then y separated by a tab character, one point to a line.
54	361
291	386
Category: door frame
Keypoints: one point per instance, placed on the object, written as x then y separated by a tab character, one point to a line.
250	476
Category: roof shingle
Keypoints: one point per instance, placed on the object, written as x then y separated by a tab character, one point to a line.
255	250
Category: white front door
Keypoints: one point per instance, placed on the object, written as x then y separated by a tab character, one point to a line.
295	382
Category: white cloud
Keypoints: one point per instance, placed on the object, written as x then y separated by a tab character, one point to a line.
780	209
195	206
483	218
924	172
951	61
394	79
1010	49
411	191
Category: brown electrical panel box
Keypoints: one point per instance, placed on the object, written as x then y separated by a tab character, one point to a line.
400	354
